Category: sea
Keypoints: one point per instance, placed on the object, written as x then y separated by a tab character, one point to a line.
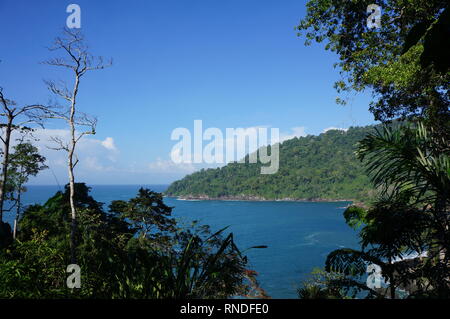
298	235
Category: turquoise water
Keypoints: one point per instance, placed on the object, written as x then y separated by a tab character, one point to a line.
298	235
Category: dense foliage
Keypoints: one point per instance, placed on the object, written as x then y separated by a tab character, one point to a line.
404	63
411	217
311	167
133	250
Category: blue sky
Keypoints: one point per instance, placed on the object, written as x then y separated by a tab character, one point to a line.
233	63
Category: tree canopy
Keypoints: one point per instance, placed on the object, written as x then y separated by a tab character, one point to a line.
404	62
311	167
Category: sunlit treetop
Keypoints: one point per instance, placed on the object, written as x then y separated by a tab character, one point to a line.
404	61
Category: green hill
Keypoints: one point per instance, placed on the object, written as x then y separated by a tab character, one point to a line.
322	167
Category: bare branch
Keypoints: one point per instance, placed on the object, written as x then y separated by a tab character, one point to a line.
59	62
76	161
6	103
61	144
83	134
86	120
60	90
79	59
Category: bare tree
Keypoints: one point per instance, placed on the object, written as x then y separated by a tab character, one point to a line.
77	59
16	118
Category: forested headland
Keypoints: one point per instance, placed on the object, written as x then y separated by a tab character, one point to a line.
322	167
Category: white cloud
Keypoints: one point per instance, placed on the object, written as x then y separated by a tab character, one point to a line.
100	160
108	143
334	128
92	163
93	154
161	165
298	131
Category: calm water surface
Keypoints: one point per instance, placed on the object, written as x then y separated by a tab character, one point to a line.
298	235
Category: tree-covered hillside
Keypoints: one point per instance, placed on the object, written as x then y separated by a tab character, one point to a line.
311	167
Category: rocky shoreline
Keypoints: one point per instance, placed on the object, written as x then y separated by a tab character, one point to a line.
260	199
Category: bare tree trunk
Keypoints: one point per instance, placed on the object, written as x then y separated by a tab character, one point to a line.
71	166
5	163
80	61
73	227
19	193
